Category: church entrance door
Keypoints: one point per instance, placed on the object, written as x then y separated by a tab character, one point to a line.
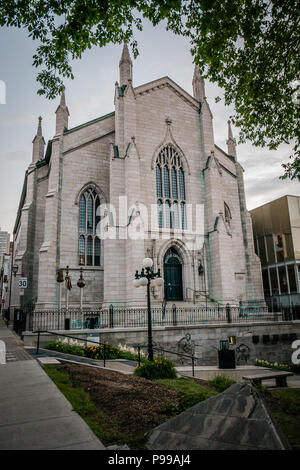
173	275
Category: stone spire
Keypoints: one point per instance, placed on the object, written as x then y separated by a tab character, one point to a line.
62	115
38	144
231	144
125	66
198	85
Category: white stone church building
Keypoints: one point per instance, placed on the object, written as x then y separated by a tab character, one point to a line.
145	180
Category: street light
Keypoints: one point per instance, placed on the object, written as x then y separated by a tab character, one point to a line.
81	285
15	269
144	279
60	280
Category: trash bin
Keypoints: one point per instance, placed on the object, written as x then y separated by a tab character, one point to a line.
226	356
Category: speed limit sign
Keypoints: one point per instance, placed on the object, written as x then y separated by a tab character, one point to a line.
23	282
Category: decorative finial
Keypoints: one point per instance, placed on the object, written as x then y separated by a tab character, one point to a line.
39	129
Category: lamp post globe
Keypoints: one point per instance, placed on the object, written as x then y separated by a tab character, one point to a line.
136	283
159	281
143	281
147	263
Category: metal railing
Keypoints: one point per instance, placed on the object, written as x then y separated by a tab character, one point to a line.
192	357
112	317
83	340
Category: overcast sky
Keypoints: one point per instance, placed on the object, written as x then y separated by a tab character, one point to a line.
91	94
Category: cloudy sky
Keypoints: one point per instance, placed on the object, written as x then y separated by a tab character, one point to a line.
90	95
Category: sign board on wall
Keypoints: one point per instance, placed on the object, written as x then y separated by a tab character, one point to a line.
22	282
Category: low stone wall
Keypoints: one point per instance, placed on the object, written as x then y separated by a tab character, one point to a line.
270	341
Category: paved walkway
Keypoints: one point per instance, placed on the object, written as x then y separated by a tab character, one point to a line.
34	414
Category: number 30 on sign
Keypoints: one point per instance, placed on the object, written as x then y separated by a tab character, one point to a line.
23	282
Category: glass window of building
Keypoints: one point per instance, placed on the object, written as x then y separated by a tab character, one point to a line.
292	278
274	281
283	279
266	282
270	248
279	247
262	250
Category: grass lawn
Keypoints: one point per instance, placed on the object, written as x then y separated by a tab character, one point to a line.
284	406
123	408
190	393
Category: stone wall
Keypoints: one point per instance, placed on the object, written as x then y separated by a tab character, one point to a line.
205	340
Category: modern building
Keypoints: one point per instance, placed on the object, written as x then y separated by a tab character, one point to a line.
4	244
276	229
146	180
5	252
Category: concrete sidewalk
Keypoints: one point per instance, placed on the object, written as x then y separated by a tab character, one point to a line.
34	414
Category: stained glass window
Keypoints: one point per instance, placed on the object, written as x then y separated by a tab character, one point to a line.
89	248
181	183
166	181
160	213
170	189
168	214
89	257
176	215
174	184
158	181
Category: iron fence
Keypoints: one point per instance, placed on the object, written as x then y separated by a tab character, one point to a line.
112	317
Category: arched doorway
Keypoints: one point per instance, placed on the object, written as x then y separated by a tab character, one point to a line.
173	275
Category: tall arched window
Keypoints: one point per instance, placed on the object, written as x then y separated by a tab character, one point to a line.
170	189
89	239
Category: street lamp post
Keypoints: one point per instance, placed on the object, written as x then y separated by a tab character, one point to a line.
60	280
144	279
81	285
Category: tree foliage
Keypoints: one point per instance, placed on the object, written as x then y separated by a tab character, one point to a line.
250	48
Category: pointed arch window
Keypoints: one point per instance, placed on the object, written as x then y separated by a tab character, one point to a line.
89	243
170	189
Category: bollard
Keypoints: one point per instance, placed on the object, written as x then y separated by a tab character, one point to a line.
104	355
139	355
193	365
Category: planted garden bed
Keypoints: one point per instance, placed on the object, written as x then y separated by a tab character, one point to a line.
122	408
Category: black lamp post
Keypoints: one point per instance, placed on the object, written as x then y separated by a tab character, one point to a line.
81	285
144	279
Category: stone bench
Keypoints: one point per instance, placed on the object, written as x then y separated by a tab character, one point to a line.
279	376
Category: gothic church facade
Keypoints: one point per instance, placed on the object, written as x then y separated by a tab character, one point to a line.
131	184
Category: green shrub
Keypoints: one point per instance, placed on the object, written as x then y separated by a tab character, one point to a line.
221	383
160	368
65	348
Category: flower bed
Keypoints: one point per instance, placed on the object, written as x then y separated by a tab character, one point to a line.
93	351
274	365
